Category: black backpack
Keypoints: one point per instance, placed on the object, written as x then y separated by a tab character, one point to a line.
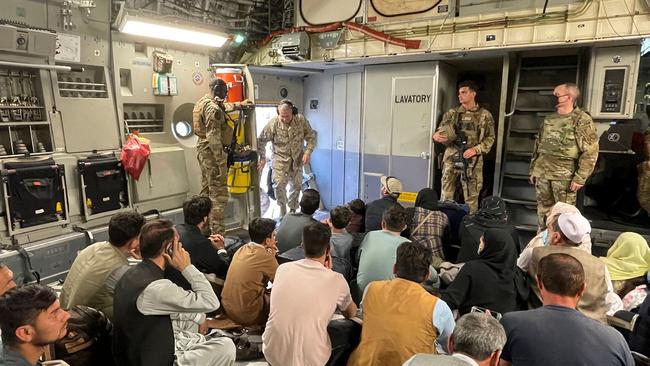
88	341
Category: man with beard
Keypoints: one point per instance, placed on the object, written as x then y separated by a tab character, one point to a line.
31	319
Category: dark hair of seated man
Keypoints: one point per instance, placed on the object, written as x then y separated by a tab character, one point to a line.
413	261
261	229
31	318
153	237
123	227
316	239
357	206
561	274
394	219
340	217
196	209
310	201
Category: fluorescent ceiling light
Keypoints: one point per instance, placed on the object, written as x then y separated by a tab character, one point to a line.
141	27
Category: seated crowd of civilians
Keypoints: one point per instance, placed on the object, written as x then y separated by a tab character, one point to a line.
487	300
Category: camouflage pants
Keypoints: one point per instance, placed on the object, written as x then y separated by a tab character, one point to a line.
643	192
214	184
471	188
548	193
282	176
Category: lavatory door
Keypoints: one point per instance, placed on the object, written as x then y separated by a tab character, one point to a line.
398	120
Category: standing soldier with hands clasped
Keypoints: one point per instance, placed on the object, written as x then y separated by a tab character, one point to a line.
565	152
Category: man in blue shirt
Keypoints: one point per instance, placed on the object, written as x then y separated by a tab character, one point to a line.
557	333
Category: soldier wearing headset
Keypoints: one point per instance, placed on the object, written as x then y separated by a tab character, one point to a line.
293	141
209	124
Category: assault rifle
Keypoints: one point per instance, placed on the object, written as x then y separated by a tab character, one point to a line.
460	163
460	143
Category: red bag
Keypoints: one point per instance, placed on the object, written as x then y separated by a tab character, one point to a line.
135	153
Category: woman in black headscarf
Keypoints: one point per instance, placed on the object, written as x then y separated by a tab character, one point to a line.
427	225
491	215
489	281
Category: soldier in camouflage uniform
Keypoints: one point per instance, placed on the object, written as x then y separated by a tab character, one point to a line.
209	124
477	126
643	191
564	154
288	133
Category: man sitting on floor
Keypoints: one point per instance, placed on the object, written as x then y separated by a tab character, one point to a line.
391	188
556	333
290	230
565	234
477	340
400	318
377	252
146	303
341	239
244	296
208	254
304	297
84	284
31	319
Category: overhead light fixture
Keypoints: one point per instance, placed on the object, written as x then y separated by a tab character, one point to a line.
172	32
238	38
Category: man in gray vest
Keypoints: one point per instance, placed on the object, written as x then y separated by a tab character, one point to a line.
564	154
477	340
564	236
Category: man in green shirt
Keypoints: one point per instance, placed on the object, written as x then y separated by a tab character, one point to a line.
84	284
378	249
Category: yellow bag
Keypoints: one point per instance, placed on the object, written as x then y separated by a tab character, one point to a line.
239	177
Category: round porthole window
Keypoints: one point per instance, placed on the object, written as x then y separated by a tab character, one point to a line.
182	129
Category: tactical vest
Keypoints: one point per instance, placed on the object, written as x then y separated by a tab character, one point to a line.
397	323
592	303
198	123
468	123
558	136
